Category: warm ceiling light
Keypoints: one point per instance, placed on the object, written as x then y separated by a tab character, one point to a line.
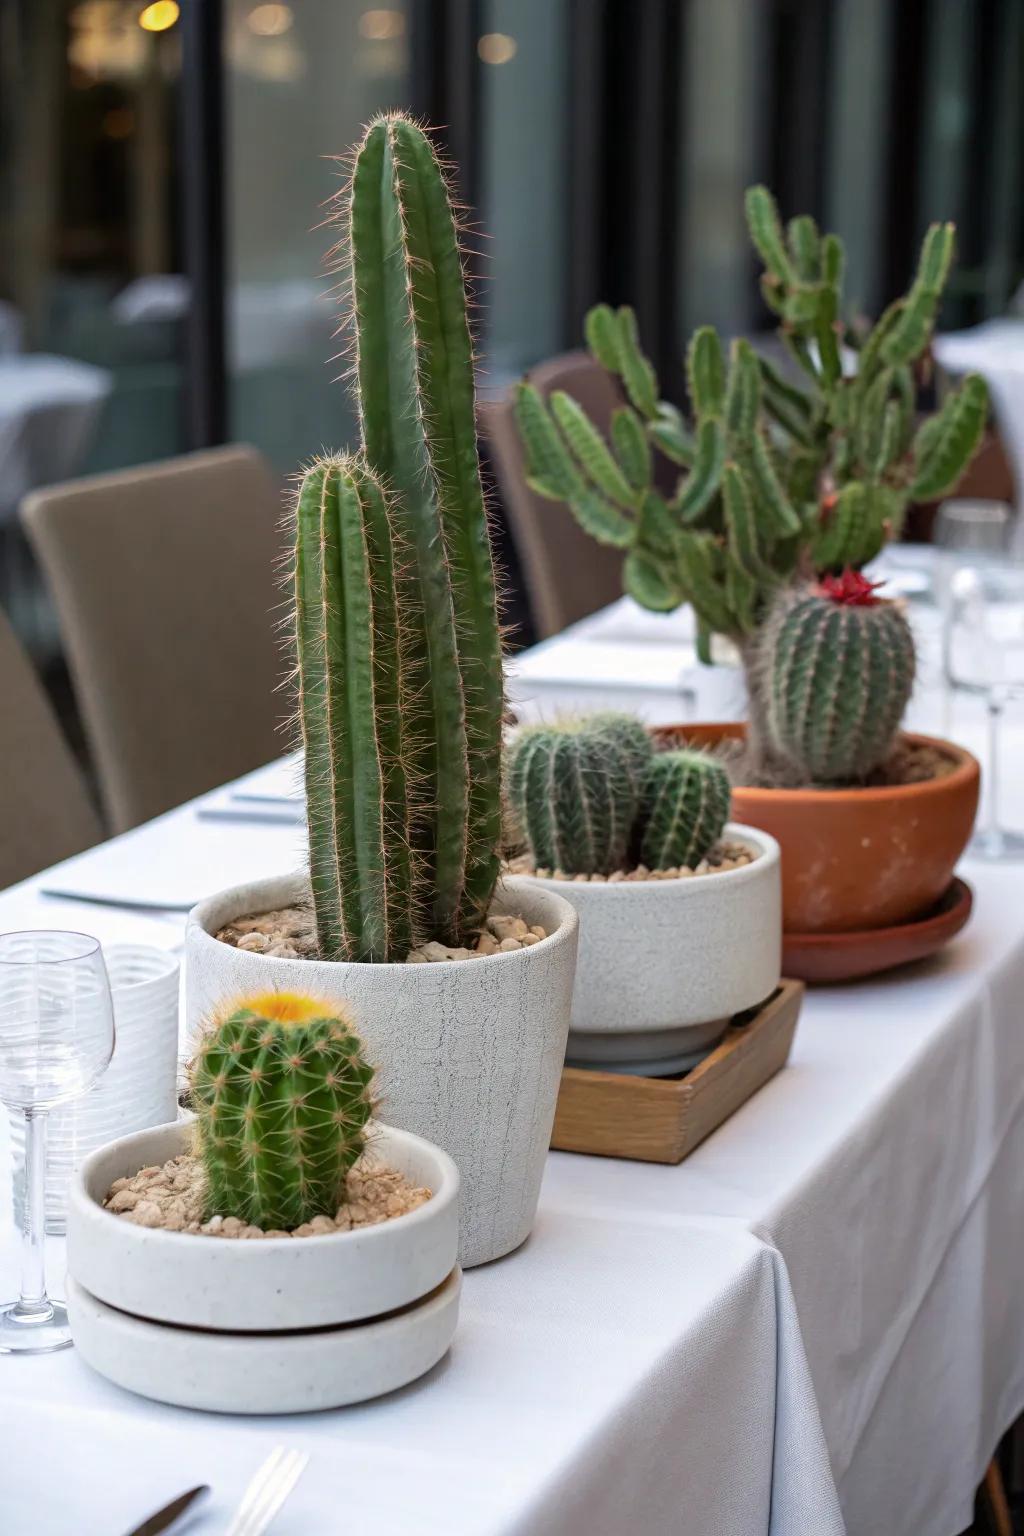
497	48
270	20
159	16
379	26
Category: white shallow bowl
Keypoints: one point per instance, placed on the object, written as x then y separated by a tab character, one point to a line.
275	1283
264	1372
665	964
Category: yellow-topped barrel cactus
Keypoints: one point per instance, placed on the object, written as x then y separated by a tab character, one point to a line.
282	1094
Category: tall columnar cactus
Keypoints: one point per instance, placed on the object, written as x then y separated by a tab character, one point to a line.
834	671
282	1095
685	806
399	646
575	788
776	479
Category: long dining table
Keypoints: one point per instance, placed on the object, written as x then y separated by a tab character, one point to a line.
815	1324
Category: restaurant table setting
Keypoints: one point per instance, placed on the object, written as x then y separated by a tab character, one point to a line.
771	1336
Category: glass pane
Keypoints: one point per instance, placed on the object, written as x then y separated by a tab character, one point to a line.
723	55
301	82
524	64
91	296
856	187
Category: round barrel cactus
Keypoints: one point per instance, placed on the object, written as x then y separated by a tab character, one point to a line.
281	1093
575	788
835	668
686	805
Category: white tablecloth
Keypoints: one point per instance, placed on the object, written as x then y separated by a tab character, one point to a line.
632	1367
640	1373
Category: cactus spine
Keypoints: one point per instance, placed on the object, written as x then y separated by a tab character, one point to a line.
575	788
834	671
775	479
281	1094
399	650
686	806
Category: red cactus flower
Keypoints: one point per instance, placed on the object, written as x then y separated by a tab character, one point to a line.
851	588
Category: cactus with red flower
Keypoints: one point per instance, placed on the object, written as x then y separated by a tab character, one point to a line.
831	675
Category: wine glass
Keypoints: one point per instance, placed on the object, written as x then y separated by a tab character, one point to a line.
56	1040
983	654
967	532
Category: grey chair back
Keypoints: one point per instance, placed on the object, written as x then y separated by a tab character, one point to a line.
45	813
567	574
164	580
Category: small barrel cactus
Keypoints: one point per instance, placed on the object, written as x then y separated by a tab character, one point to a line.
686	805
834	672
575	788
281	1093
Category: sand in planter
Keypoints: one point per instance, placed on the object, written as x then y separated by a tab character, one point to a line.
171	1196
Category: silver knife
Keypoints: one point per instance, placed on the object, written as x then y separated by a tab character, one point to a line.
165	1518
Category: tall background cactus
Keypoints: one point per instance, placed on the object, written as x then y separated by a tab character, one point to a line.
833	674
777	479
398	639
281	1094
592	797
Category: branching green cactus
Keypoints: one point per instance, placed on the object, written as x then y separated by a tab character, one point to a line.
833	674
281	1094
399	653
575	787
686	806
777	480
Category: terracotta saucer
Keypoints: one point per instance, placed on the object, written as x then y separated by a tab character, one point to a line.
824	957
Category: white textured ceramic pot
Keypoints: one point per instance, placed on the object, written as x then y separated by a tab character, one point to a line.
273	1284
664	964
469	1053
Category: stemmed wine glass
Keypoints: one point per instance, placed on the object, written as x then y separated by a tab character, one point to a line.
983	653
56	1041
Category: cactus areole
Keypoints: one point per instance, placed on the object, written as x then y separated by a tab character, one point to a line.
397	635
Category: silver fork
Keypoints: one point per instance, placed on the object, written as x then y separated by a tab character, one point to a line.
267	1491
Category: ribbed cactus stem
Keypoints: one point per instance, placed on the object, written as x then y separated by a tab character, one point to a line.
575	789
281	1094
686	805
833	673
369	889
417	411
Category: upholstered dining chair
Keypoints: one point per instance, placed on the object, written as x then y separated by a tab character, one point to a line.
567	574
163	578
45	813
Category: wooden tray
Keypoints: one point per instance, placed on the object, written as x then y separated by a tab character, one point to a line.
662	1119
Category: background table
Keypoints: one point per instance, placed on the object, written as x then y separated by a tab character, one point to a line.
621	1370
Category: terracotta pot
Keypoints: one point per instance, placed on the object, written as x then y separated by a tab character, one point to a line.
858	858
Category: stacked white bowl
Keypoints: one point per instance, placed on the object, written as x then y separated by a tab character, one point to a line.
137	1090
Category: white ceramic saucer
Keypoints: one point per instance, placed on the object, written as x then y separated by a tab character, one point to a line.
264	1372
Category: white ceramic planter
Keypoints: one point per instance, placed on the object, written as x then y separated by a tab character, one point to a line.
664	964
276	1283
469	1053
270	1372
